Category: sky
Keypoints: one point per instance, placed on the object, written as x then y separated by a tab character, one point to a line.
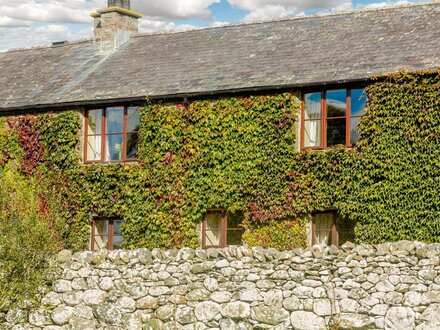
29	23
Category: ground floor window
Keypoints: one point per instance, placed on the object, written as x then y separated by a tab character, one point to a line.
329	229
106	234
221	229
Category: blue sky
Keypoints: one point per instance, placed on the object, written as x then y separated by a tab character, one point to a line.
28	23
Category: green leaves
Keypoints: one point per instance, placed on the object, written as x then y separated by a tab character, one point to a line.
239	153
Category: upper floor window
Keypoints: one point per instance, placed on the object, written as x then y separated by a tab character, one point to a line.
221	229
331	117
111	134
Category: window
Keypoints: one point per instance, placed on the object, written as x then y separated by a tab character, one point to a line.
221	229
111	134
106	234
328	229
331	117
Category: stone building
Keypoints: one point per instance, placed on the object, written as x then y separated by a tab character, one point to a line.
326	60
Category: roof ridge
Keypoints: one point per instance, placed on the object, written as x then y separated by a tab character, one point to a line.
293	18
68	43
232	25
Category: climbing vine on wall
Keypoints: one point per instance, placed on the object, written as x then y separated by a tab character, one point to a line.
240	153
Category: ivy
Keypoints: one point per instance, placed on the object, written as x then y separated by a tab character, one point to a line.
240	154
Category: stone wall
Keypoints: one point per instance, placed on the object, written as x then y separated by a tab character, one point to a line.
391	286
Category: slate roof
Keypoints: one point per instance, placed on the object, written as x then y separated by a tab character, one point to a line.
270	55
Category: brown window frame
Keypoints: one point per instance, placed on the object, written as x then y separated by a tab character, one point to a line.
323	129
104	134
335	233
110	232
224	229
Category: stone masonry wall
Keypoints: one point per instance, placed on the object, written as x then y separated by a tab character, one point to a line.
391	286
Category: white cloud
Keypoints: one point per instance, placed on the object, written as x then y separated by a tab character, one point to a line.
25	23
175	9
272	9
77	11
385	4
21	37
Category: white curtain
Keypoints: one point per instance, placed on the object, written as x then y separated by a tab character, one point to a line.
323	228
312	117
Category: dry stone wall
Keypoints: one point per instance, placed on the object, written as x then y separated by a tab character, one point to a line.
388	286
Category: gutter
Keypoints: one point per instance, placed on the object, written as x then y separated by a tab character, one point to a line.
64	106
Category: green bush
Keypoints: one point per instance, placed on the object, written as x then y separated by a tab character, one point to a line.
282	235
26	239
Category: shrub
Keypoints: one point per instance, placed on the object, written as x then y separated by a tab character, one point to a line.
281	235
25	239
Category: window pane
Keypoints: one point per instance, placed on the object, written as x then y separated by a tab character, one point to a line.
354	133
312	106
94	147
213	229
132	119
117	241
117	227
234	237
323	228
114	120
235	220
94	122
213	221
132	145
101	234
113	147
358	102
336	103
312	133
336	132
212	238
345	231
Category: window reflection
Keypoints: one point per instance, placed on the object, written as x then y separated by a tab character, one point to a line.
334	114
312	106
113	147
118	141
358	102
115	120
336	103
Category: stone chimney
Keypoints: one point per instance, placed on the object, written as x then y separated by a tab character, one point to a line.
114	25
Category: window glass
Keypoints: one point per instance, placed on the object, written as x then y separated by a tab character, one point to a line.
94	118
234	237
336	130
113	148
213	229
133	119
132	145
336	102
312	133
323	228
345	231
94	147
358	102
114	120
100	234
235	220
222	229
117	236
354	132
312	106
